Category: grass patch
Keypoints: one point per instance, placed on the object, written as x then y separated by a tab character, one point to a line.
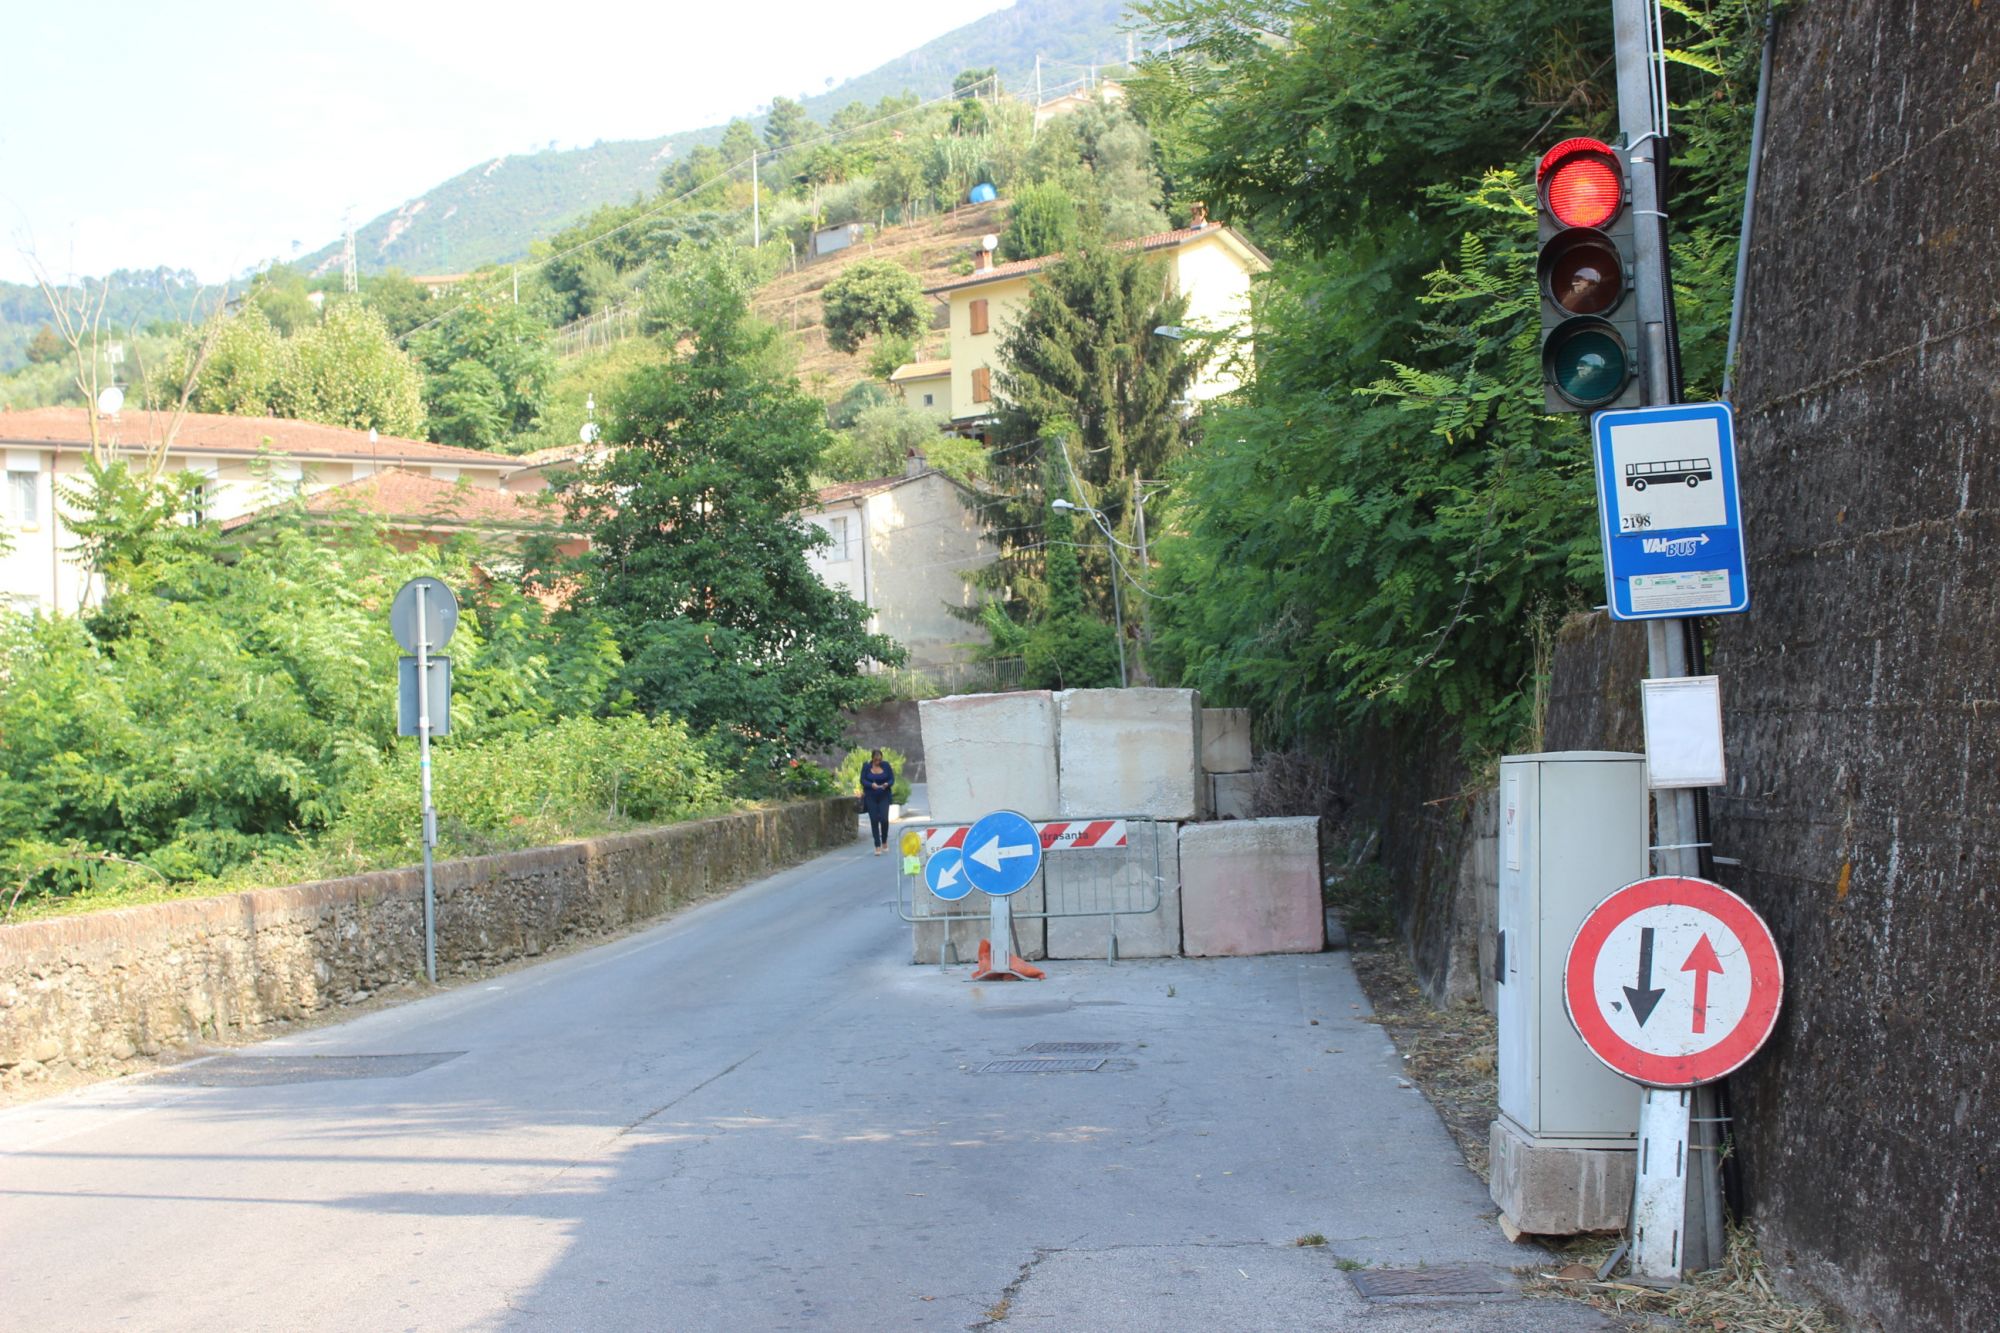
1311	1240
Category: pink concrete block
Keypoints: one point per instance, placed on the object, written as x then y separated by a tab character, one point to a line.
1251	886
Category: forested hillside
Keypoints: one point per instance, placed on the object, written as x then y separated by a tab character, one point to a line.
492	211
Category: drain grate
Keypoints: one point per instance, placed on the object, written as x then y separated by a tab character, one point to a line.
1074	1047
264	1071
1377	1283
1071	1065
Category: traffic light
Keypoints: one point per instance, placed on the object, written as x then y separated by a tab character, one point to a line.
1590	323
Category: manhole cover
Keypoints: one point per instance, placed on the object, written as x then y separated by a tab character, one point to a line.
1376	1283
263	1071
1074	1047
1074	1065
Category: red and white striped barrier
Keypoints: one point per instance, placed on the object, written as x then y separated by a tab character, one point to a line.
1070	836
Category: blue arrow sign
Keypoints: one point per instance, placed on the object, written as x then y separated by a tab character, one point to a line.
1002	854
944	875
1669	512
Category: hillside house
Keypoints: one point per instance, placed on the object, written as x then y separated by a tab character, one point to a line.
906	547
925	386
1208	263
248	463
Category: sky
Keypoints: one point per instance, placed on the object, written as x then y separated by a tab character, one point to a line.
214	135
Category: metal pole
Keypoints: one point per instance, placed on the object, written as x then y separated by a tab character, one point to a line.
1660	1189
1117	604
1145	567
424	767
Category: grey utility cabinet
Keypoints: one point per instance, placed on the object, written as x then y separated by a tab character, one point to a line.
1573	827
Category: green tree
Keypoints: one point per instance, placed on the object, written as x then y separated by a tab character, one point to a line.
787	124
505	342
399	300
241	375
739	141
1066	647
45	348
285	297
872	297
1041	220
347	371
698	553
968	83
881	438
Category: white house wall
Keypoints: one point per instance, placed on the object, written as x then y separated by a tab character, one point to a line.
924	548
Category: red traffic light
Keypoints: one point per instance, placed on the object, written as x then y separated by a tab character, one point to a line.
1581	183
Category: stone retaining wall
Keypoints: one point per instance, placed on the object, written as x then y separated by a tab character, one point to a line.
90	990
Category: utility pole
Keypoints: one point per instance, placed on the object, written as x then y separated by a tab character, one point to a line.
1676	1203
350	273
756	207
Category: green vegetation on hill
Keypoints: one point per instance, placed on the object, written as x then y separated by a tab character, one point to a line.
492	212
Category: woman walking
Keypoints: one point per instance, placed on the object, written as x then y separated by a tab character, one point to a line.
877	781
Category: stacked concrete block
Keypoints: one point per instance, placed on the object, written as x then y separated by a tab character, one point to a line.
1131	752
987	752
1225	740
1251	886
1232	795
1098	880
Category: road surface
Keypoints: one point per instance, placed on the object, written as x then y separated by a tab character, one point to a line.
759	1115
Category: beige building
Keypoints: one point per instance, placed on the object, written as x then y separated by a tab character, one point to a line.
247	463
925	386
906	548
1206	262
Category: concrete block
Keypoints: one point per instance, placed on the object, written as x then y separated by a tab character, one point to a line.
1117	878
1232	795
1225	740
1251	886
970	929
1131	752
1558	1191
987	752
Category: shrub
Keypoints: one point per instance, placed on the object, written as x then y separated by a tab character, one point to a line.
847	777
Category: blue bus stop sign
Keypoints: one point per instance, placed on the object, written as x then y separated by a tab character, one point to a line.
1002	853
944	875
1669	512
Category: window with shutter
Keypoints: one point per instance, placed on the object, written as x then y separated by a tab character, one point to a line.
979	316
982	385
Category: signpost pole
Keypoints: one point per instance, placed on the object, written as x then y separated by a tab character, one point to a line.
424	767
1642	115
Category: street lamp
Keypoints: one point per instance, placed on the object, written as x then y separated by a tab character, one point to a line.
1117	603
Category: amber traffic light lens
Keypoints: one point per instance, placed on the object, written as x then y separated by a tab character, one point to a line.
1582	273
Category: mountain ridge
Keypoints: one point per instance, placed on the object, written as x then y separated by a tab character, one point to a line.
494	210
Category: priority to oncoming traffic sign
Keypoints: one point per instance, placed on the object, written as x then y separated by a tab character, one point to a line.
1673	982
1667	506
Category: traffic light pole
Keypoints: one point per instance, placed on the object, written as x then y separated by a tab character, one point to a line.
1676	1206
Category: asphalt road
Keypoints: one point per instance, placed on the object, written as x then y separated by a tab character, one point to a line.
758	1115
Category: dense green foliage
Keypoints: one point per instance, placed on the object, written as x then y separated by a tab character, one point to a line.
873	298
1368	532
1041	220
487	369
1090	402
698	560
847	777
341	368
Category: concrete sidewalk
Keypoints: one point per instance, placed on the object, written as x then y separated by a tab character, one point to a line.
757	1116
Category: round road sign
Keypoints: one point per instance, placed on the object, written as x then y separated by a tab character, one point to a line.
944	875
440	613
1002	853
1673	982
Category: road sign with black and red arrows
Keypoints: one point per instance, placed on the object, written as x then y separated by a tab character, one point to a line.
1673	982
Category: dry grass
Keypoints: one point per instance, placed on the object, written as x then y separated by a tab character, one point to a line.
927	248
1450	1055
1736	1297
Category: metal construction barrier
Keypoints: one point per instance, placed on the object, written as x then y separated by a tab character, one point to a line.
1105	867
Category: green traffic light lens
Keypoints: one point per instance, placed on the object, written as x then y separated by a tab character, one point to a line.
1587	362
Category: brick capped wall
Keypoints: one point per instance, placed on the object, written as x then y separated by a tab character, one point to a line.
1863	691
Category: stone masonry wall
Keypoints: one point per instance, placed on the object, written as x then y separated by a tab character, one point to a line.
1860	694
91	990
